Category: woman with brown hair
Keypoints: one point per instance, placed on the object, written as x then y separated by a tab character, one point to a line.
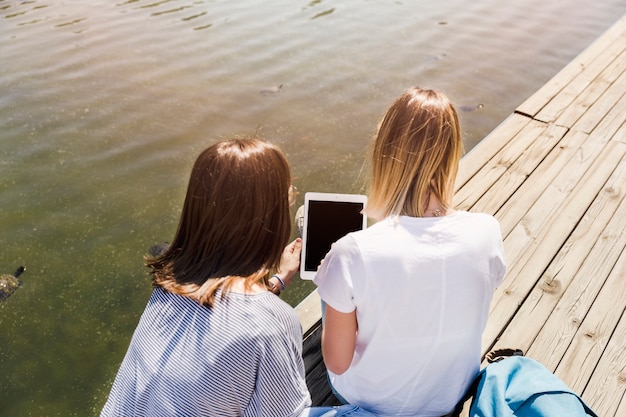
214	340
406	300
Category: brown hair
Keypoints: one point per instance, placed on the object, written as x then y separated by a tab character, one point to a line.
235	221
415	152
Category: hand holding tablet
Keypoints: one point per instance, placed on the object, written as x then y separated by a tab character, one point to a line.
327	218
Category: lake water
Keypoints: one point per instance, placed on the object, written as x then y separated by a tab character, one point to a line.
104	106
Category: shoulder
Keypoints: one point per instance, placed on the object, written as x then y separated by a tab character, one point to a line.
274	314
261	303
478	216
373	232
478	219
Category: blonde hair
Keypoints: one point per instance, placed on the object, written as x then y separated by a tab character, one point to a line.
415	153
235	221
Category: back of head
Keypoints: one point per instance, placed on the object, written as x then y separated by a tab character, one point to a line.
235	220
415	153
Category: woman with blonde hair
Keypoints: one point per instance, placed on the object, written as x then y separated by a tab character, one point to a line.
406	300
214	339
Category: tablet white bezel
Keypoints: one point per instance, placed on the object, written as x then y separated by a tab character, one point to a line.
334	197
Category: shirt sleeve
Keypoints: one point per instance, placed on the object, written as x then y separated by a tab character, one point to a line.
339	273
280	388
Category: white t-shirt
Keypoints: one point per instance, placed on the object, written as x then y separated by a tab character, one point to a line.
421	288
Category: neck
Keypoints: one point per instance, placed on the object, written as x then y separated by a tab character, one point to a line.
436	212
239	285
434	208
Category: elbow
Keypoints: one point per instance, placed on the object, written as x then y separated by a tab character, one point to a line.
337	363
335	367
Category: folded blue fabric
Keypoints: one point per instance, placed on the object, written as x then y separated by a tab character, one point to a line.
522	387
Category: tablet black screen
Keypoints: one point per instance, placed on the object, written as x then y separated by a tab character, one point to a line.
328	221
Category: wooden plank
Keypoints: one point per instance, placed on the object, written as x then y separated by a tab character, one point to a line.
520	224
545	94
612	121
591	74
498	165
590	95
310	314
549	205
575	148
595	331
537	246
553	293
309	311
509	182
484	151
316	376
563	196
621	411
603	107
529	192
607	386
564	322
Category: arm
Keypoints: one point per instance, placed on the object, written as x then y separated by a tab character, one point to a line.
289	265
280	387
338	339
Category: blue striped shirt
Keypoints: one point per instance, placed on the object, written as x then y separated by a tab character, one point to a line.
243	357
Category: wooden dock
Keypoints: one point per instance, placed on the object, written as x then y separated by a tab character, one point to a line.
554	175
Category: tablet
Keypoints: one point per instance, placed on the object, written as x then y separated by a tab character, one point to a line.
327	218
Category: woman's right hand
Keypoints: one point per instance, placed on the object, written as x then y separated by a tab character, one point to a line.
290	261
